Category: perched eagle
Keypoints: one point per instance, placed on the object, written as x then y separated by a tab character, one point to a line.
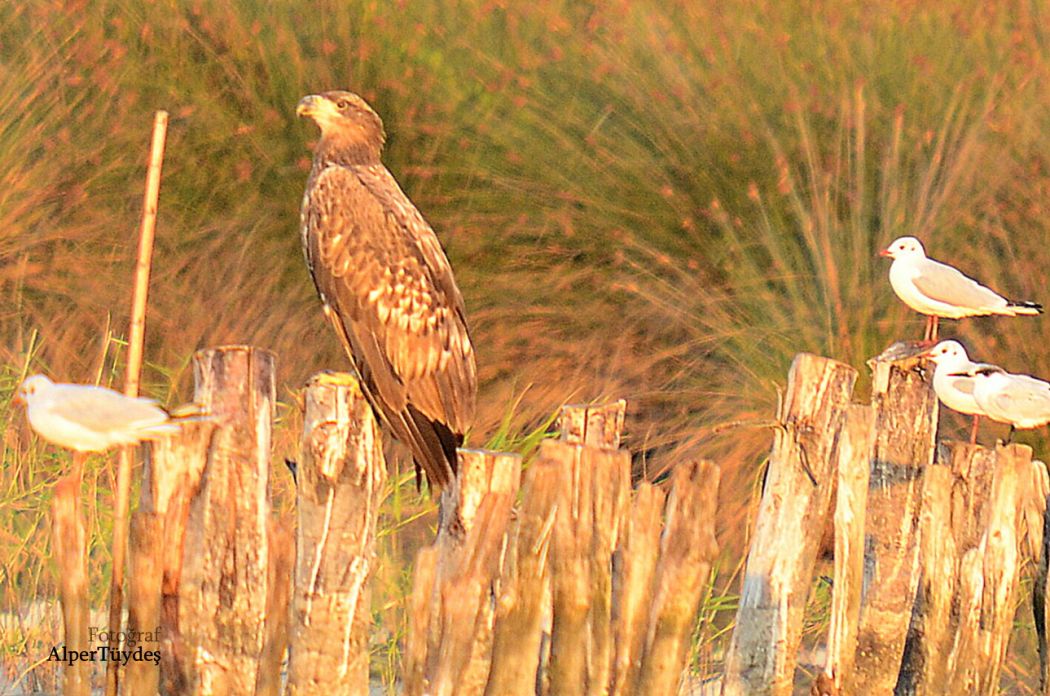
387	286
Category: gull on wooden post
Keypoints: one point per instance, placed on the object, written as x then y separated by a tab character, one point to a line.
86	418
939	290
1020	400
954	380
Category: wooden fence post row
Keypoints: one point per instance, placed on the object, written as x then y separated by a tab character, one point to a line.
971	563
620	579
213	570
617	626
562	579
928	546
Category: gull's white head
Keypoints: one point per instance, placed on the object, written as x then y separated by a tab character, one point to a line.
904	247
32	385
948	353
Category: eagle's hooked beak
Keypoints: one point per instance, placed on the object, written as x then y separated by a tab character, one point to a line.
308	105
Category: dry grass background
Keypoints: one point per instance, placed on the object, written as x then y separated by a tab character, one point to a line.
663	201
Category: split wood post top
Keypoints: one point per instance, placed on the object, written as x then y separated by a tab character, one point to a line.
480	473
449	643
791	519
599	425
524	607
340	483
905	429
593	497
225	574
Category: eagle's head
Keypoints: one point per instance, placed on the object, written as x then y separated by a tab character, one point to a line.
347	122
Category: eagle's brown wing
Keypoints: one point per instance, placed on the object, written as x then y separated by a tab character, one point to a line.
388	289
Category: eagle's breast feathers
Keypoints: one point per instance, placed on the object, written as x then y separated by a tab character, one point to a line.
379	267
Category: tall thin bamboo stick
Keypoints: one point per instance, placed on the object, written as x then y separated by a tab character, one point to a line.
136	335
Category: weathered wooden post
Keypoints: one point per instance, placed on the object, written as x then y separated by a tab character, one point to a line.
421	622
852	464
144	583
1037	517
594	425
278	605
171	473
171	476
687	551
633	587
795	504
524	604
593	496
225	575
449	645
517	633
69	540
954	496
479	474
341	476
905	428
1035	490
989	575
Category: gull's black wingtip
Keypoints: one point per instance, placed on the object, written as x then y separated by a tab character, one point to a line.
1027	307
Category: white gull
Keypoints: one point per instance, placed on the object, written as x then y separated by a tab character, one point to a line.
87	418
939	290
1020	400
954	380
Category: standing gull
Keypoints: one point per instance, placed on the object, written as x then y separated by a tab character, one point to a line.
1020	400
939	290
386	286
954	380
86	418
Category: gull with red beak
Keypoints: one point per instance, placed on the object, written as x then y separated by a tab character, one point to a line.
939	290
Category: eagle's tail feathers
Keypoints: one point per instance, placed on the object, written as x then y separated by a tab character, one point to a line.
433	446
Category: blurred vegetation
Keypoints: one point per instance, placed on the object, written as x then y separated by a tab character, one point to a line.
661	201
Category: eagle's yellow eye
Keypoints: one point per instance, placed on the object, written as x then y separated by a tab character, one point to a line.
342	103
